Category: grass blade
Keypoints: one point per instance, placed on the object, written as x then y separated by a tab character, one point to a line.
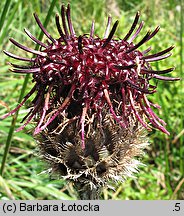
9	21
181	72
3	15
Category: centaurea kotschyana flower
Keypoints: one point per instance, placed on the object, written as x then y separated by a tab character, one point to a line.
91	104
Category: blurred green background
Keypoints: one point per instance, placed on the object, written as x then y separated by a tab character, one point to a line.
25	175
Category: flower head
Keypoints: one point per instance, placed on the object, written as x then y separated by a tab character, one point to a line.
77	76
91	97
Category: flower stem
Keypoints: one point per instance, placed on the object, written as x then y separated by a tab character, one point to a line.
86	191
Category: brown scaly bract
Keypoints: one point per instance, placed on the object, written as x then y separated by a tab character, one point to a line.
91	103
109	151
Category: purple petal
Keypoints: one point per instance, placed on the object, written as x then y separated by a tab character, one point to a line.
108	27
125	67
59	110
27	49
133	26
64	21
69	21
135	110
21	104
166	78
151	111
146	51
111	34
106	95
157	72
31	70
80	44
140	43
20	66
45	108
82	121
43	28
159	53
153	121
18	57
92	30
27	122
154	33
34	38
137	32
138	88
158	58
59	28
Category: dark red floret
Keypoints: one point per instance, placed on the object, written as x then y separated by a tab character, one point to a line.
76	77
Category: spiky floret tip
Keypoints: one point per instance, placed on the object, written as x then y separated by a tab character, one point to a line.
76	76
